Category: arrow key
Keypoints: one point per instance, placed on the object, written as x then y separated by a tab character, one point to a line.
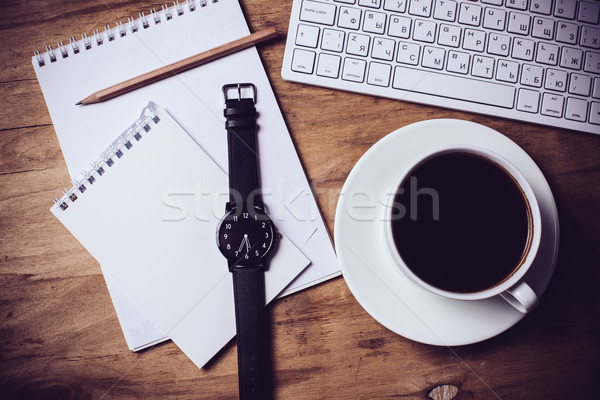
307	36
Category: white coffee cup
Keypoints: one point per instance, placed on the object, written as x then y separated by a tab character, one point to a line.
514	289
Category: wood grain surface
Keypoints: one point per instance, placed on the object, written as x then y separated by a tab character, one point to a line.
59	335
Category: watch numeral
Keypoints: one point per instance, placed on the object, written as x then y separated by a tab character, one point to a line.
228	246
235	218
266	235
245	215
257	253
264	225
227	226
225	236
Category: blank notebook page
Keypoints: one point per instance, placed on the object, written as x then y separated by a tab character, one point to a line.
150	219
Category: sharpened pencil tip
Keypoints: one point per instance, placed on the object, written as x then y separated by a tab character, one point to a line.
79	103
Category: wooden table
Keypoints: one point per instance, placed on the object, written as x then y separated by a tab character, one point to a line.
60	338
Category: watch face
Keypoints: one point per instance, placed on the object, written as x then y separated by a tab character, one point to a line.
245	237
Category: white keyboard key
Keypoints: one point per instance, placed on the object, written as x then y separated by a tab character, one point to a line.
319	13
433	57
445	10
349	17
588	12
552	105
571	58
449	35
379	74
328	65
345	1
518	23
421	8
358	44
556	80
333	40
307	35
543	28
590	37
469	14
474	40
596	91
493	2
399	26
576	109
370	3
494	18
541	6
458	62
565	8
424	31
483	67
566	32
303	61
580	84
517	4
383	49
595	113
408	53
532	75
498	44
523	49
374	22
547	53
354	70
528	100
395	5
454	87
507	71
592	62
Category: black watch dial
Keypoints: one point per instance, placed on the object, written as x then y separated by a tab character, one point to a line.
246	237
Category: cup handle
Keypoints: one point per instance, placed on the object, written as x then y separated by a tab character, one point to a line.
521	297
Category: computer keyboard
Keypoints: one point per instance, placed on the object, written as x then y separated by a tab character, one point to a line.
529	60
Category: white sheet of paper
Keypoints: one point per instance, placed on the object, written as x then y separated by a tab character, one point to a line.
165	257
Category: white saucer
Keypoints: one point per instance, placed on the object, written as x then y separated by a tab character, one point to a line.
379	286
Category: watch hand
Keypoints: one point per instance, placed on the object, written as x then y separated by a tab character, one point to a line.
246	242
242	244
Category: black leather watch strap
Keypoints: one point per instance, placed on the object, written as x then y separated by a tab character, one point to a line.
249	293
248	281
241	139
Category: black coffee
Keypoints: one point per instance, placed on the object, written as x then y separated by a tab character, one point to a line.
460	222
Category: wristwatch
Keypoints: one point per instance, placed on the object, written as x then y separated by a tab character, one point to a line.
246	237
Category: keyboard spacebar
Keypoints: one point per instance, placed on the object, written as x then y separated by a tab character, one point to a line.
454	87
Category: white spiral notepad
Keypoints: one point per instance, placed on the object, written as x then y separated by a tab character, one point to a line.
134	213
69	72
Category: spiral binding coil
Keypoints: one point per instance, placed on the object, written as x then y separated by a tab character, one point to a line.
111	155
109	34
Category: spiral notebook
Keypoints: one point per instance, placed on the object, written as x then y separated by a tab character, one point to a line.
134	213
70	71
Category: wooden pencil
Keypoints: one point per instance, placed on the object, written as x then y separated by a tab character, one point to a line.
180	66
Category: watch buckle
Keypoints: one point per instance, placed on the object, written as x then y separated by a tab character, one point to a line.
239	87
